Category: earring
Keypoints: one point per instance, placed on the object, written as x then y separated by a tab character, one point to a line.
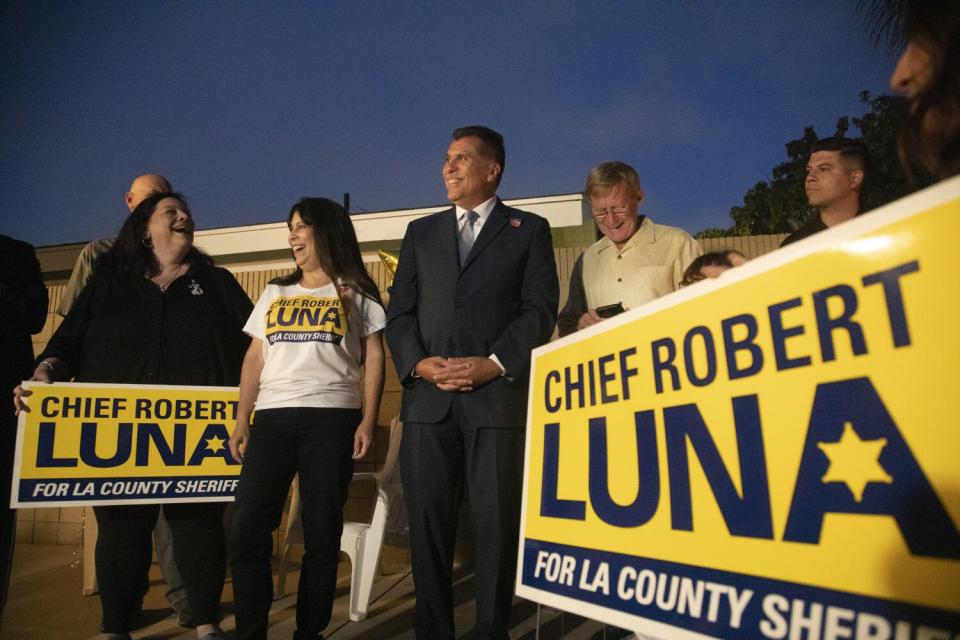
147	242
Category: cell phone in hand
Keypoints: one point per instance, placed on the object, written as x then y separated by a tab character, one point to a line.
610	310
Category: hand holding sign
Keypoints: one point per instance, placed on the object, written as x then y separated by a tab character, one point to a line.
43	373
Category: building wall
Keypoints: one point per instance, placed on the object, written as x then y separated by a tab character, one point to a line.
750	246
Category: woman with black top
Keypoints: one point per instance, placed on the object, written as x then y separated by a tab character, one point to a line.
156	311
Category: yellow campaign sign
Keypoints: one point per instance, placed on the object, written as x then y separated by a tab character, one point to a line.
773	454
100	444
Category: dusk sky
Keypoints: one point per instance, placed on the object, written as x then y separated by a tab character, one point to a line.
247	106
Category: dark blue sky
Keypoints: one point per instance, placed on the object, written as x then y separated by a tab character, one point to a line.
248	106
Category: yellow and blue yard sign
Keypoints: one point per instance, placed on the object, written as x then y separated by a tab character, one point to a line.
83	444
775	454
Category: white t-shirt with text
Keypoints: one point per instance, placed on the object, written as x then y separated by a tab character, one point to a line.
311	347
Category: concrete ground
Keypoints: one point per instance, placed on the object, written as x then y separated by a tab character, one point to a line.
45	603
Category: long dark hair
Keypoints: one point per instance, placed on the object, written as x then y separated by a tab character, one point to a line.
335	243
934	26
131	254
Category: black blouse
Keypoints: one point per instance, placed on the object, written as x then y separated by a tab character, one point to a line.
123	329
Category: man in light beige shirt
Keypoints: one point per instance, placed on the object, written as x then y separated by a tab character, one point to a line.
141	187
635	261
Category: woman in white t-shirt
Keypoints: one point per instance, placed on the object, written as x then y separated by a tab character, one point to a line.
312	331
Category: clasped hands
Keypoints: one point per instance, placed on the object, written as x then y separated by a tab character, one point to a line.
458	374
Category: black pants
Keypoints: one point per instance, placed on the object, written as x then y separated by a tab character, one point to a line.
124	550
8	517
436	462
317	444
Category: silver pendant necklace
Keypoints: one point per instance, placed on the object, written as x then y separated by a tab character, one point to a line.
164	285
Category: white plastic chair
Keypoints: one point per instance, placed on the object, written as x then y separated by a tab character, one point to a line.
361	541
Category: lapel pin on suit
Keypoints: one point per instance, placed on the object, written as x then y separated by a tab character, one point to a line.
515	222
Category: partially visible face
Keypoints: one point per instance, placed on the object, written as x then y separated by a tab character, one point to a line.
736	258
616	213
914	71
145	186
469	175
713	270
828	179
302	244
170	225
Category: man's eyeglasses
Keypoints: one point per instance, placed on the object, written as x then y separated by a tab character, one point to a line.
616	212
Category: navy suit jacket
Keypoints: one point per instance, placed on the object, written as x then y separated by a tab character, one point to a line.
503	301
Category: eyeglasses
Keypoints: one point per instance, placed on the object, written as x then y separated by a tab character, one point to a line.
616	212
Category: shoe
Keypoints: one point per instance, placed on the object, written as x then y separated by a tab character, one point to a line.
215	635
184	613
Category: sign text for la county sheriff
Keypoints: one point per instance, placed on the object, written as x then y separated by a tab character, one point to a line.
84	444
773	455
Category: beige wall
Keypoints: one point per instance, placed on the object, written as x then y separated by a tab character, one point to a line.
750	246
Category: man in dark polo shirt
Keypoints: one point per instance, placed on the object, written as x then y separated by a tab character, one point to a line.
835	174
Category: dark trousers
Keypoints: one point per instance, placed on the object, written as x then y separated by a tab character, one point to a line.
124	553
317	444
8	517
437	461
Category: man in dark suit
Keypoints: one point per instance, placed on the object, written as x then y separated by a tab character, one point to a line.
23	311
475	291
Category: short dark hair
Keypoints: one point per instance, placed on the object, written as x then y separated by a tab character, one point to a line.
492	143
853	152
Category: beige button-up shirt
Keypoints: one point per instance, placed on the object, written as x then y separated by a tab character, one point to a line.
650	265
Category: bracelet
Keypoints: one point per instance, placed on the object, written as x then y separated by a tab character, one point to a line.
47	364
